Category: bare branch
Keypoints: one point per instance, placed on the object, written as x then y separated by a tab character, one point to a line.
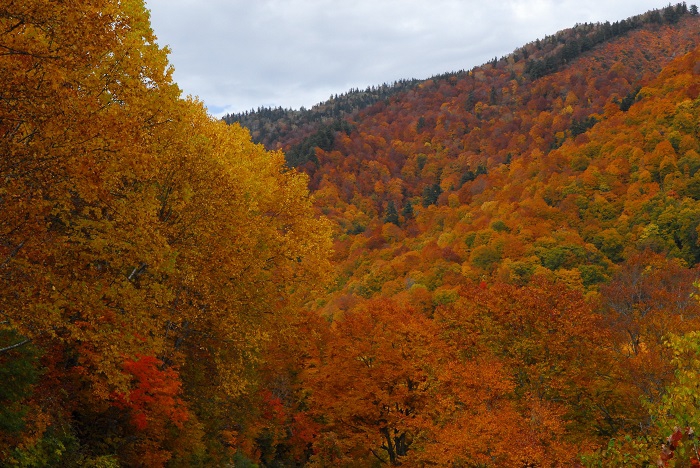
12	254
16	345
137	271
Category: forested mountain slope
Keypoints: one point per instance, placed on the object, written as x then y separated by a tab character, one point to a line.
520	317
533	221
506	175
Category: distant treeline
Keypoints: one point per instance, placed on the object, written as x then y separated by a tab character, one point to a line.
299	132
268	125
571	43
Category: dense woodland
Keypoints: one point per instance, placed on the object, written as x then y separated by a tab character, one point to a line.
491	268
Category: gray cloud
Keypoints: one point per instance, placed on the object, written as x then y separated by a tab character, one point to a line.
237	55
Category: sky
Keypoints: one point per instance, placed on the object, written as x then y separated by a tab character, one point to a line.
238	55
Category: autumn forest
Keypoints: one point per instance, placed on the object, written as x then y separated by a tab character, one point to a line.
496	267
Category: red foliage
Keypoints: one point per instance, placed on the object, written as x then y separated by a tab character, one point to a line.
671	444
273	409
155	395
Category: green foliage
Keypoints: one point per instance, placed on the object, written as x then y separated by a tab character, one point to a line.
421	160
692	188
391	215
241	461
679	224
431	194
625	451
628	100
18	372
581	126
562	256
420	125
485	257
680	404
592	274
522	271
610	243
323	138
407	211
57	447
500	226
444	296
467	176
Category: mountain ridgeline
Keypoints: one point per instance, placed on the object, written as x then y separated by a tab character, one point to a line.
287	128
270	125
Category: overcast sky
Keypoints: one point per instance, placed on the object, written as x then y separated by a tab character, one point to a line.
237	55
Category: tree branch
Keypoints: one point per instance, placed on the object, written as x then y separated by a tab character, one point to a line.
12	254
16	345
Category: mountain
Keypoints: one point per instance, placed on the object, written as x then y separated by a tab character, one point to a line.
480	200
493	166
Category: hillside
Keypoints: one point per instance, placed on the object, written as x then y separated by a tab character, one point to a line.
506	175
481	200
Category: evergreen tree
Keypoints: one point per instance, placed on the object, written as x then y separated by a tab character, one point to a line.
431	194
407	211
391	215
